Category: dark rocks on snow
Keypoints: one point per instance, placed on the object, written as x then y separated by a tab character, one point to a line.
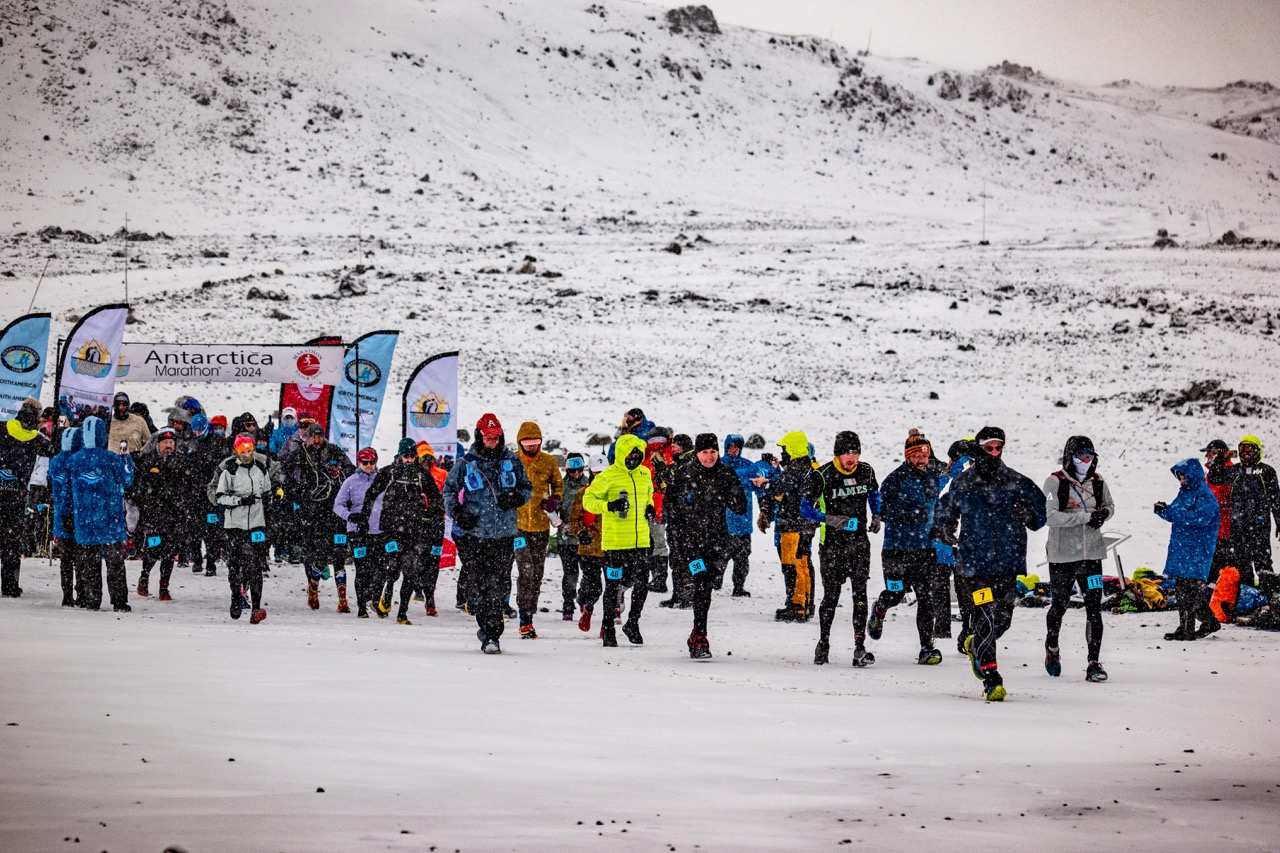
1061	404
599	439
464	436
277	314
692	20
755	441
673	247
566	292
53	232
273	295
1203	399
350	287
213	253
793	397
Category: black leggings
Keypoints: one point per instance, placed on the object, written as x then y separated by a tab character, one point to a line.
993	597
634	565
699	567
910	570
1063	577
488	563
246	560
592	585
1191	603
90	572
839	562
571	563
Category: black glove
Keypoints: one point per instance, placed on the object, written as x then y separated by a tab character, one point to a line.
1096	518
359	519
1160	507
465	518
836	522
874	526
1020	514
619	505
585	538
509	500
650	513
68	524
248	500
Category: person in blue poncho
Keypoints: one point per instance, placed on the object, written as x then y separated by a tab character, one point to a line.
1194	514
99	478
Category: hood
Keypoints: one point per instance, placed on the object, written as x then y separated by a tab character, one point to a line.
72	440
94	432
1190	468
528	431
623	448
796	444
1074	444
733	438
1255	441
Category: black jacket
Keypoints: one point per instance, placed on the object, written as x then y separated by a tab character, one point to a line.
411	504
696	503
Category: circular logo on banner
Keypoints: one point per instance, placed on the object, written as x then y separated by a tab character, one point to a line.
308	364
364	373
20	359
92	359
430	411
311	393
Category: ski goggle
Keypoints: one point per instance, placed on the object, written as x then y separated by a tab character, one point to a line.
574	464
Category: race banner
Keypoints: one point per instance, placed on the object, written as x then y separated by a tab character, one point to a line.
431	402
86	366
24	346
310	399
162	362
357	400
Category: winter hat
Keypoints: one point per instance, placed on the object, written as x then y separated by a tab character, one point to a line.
407	447
598	463
958	449
574	462
243	442
488	425
916	439
706	441
165	433
191	404
632	417
120	397
199	424
529	431
1216	444
683	440
847	442
988	434
29	413
315	429
218	421
425	450
288	412
367	454
179	416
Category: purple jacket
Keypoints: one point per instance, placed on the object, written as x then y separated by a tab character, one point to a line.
351	498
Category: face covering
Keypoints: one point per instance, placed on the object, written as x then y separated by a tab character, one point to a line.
634	459
1082	468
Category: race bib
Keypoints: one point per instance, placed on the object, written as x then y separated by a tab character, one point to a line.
983	596
613	574
437	551
257	536
518	543
153	541
212	518
1095	581
852	525
391	547
697	567
339	539
359	553
893	586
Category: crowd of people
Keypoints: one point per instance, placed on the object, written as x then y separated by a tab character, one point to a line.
658	512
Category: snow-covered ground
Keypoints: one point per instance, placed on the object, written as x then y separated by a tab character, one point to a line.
829	209
174	725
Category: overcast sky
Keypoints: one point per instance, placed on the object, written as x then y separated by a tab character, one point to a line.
1157	42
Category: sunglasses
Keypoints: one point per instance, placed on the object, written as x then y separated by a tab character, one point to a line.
368	461
992	447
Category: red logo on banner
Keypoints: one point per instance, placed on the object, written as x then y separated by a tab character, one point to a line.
308	364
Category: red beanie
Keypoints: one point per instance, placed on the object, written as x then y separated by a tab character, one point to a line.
487	424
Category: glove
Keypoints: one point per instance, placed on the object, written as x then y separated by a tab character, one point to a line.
585	538
551	504
836	522
68	524
946	536
248	500
762	523
874	526
618	505
1096	518
1020	514
360	520
465	518
650	513
1160	507
509	500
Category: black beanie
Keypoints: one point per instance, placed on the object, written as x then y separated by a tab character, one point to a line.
683	440
988	433
847	442
706	441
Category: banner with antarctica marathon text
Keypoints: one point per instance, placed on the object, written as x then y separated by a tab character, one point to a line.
357	400
86	367
431	403
24	346
272	363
